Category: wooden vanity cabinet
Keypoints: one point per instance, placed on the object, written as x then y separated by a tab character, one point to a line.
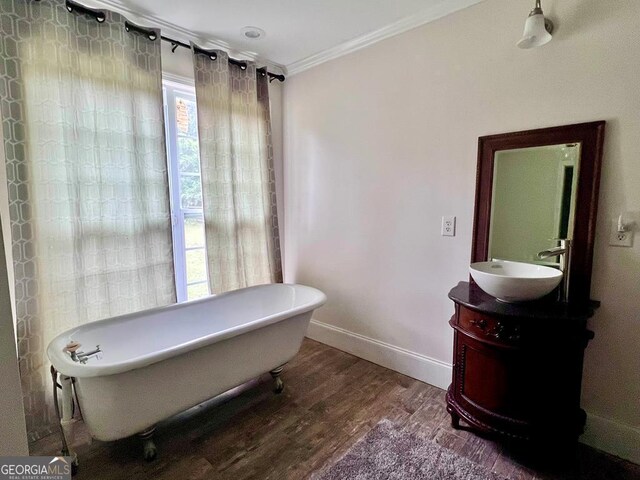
517	368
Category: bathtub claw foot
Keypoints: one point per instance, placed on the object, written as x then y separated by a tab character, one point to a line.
74	466
275	373
150	451
279	386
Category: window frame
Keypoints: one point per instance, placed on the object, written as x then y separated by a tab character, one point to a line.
170	91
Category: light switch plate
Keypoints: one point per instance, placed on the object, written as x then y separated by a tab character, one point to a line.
448	227
620	239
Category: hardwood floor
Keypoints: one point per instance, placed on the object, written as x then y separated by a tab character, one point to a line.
331	399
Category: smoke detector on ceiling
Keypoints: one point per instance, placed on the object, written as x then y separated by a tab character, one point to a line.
253	33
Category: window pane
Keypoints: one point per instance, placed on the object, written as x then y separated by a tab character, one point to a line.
186	117
196	265
197	291
193	230
186	194
188	155
190	191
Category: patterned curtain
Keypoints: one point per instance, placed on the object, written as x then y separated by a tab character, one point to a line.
81	106
238	181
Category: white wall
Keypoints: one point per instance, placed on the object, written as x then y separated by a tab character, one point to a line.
381	143
13	433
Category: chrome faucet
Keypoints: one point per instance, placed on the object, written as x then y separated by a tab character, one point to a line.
563	252
82	357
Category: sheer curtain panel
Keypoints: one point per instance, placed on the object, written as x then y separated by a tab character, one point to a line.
81	105
238	181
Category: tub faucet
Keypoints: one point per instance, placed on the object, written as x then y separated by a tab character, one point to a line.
84	356
563	252
72	349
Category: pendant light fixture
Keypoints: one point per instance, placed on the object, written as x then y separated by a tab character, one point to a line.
537	29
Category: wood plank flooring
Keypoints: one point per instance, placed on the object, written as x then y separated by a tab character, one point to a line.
331	399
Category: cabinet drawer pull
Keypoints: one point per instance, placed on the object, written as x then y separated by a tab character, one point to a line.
500	332
480	323
515	335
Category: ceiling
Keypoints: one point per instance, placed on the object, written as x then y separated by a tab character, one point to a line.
299	33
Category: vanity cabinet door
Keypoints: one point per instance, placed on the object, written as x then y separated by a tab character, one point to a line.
494	380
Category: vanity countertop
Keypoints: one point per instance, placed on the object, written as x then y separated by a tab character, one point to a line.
473	297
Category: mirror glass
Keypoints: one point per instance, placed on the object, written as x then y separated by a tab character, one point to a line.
533	201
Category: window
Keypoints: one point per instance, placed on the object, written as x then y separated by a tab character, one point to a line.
190	257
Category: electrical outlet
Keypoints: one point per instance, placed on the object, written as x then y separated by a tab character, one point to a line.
620	239
448	227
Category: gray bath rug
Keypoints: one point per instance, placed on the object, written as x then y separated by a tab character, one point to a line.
389	453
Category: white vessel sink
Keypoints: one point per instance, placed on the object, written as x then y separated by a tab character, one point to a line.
515	281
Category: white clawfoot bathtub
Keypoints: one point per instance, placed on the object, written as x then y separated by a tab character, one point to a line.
157	363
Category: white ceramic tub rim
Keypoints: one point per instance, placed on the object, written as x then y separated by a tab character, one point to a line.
65	365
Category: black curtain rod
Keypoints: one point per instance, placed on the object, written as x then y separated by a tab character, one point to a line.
73	7
152	34
213	56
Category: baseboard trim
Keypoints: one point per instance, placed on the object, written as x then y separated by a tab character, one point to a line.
414	365
612	437
601	433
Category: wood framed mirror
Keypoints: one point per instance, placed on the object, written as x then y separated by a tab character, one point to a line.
535	186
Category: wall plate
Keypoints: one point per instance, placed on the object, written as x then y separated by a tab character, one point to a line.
448	227
620	239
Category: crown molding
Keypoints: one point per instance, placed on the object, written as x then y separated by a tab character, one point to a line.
178	79
442	9
183	34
